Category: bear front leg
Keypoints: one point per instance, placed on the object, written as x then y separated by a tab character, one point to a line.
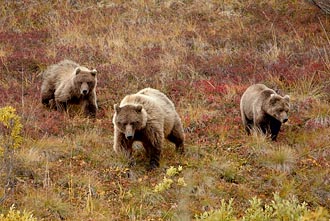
91	106
61	106
154	142
61	98
275	127
152	153
46	97
260	124
123	146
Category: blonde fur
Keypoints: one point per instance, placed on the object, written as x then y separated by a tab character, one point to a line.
59	85
159	120
264	110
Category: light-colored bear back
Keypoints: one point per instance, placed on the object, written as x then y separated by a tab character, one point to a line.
158	106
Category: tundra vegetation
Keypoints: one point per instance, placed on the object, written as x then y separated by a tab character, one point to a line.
203	54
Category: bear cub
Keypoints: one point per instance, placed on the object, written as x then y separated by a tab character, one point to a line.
148	116
263	109
69	83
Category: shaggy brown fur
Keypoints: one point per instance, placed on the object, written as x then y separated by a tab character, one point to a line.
262	108
69	83
147	116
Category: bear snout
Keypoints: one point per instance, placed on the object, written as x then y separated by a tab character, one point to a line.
129	137
84	89
129	132
285	120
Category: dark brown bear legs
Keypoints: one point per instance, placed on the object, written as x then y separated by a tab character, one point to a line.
271	128
124	146
46	97
61	106
248	124
90	107
153	151
176	136
90	110
274	127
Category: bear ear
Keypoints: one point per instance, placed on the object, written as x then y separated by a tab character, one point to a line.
116	107
138	108
94	72
287	98
272	99
77	71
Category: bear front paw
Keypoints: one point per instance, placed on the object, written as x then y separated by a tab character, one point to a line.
153	165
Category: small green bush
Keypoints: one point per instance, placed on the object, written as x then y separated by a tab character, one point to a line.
11	137
15	215
168	181
279	209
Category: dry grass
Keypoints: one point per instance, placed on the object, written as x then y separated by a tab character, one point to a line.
203	55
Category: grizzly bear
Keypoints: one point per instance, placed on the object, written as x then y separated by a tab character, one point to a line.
263	109
148	116
69	83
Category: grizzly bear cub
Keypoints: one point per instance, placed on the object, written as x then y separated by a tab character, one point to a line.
263	109
69	83
148	116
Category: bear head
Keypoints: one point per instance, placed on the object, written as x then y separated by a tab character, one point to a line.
85	80
129	119
278	107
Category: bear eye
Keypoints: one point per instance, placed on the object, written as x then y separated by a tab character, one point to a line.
121	123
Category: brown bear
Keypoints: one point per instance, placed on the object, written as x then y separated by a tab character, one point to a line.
148	116
69	83
263	109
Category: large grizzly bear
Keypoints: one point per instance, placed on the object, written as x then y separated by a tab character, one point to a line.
148	116
262	108
69	83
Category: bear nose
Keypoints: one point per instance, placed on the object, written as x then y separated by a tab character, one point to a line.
285	120
129	137
85	92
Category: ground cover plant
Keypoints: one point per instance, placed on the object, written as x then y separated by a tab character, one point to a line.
203	55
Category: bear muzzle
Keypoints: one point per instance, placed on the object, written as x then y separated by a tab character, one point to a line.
129	132
129	137
284	120
84	89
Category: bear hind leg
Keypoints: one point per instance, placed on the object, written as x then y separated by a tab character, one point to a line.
176	136
248	127
247	124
